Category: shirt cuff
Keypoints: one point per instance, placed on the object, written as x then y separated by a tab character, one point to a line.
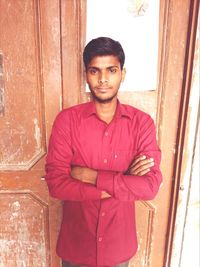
105	181
90	192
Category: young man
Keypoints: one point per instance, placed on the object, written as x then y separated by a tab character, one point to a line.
102	157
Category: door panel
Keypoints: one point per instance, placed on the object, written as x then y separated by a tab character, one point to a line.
21	124
24	230
30	98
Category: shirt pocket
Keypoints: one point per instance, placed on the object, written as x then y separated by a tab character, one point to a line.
122	158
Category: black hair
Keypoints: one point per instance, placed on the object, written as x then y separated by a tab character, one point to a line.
103	46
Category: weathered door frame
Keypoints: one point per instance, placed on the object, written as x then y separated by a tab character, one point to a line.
184	153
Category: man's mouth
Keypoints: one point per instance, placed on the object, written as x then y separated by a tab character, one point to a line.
103	89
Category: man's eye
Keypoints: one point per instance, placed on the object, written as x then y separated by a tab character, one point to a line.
113	70
93	71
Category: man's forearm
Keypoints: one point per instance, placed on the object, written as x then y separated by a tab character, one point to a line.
140	166
87	175
84	174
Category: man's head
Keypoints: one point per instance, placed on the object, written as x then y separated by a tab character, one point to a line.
103	46
104	60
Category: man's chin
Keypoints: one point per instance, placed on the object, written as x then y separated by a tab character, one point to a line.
103	100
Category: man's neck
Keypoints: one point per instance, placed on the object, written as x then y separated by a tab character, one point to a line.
106	111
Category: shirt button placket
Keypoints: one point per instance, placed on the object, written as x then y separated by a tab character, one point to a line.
105	146
100	235
99	249
101	224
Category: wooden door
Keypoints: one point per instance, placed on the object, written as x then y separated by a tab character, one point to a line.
30	93
41	72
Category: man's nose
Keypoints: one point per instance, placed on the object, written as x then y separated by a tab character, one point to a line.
103	78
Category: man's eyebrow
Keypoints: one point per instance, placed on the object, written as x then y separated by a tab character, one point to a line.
93	67
114	66
109	67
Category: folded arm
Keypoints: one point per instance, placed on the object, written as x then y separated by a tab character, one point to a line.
58	167
143	178
128	187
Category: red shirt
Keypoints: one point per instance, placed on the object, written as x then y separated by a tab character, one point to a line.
97	232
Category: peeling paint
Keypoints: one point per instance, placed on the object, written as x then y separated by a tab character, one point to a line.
22	232
37	134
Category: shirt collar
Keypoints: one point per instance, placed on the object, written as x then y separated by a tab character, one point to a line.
89	110
121	111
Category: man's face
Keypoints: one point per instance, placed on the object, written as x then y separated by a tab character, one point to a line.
104	76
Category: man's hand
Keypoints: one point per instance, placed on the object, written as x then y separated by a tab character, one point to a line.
104	195
140	166
84	174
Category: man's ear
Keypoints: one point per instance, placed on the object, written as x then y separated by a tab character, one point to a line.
123	74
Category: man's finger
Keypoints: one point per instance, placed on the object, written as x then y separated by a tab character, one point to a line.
141	168
143	172
141	164
140	173
140	158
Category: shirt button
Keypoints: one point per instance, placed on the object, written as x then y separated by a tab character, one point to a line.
105	160
100	239
103	214
106	133
115	156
